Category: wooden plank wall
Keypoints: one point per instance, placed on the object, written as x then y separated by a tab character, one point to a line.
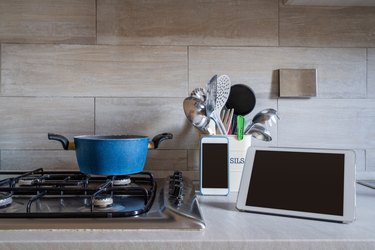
124	66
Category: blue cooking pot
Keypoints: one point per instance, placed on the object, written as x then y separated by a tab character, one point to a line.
111	155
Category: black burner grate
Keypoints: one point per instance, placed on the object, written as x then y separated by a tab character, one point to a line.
62	194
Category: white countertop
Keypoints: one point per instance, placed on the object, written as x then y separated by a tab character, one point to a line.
227	228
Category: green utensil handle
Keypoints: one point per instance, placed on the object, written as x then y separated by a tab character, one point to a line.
240	127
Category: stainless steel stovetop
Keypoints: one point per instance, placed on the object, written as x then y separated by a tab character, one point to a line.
71	200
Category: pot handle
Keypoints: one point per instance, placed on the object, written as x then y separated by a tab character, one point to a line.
154	143
64	141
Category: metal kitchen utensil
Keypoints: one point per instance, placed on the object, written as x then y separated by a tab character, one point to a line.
199	93
211	127
211	95
222	93
264	116
195	112
259	132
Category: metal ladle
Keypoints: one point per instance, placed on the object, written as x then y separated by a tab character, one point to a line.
195	112
199	93
266	115
259	132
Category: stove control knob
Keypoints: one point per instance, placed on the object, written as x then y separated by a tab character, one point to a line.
171	187
176	185
176	192
175	188
179	183
178	201
177	173
177	176
171	181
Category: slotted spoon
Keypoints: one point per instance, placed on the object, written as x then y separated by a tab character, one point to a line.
222	93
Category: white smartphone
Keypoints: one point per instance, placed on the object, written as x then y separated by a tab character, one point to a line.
214	165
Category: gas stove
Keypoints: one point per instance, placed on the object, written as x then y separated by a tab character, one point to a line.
41	199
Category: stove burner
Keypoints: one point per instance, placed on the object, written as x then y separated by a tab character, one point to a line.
122	180
103	201
5	199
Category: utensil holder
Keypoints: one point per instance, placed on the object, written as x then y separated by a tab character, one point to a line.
237	156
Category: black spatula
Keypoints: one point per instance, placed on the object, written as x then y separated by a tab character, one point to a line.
241	99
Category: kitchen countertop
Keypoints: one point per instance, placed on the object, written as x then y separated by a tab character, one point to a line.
226	228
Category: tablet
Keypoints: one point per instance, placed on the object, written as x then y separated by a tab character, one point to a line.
309	183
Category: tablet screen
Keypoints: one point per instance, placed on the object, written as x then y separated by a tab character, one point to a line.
298	181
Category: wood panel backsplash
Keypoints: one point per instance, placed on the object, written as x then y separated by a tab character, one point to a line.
91	70
327	27
114	67
43	21
192	22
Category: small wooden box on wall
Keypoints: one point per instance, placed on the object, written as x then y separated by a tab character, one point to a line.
297	83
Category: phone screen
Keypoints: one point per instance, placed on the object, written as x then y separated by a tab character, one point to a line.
214	165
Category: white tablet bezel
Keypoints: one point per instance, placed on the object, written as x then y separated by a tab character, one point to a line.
213	191
349	186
